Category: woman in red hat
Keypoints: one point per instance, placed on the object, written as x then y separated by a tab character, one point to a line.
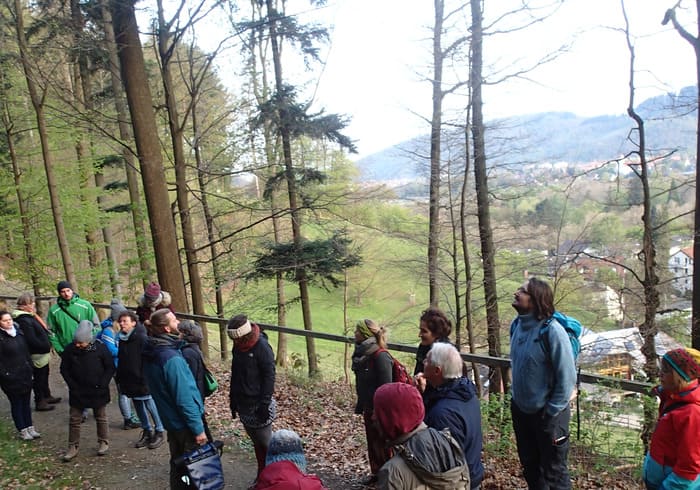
673	460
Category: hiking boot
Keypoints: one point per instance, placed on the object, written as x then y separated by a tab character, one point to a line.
25	435
53	399
71	453
145	440
131	424
156	441
32	431
43	406
102	448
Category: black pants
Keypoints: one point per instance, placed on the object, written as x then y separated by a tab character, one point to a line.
543	448
40	384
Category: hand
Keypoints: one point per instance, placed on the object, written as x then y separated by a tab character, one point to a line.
201	438
420	382
263	412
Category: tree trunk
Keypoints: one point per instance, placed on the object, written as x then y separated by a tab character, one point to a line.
292	191
166	48
482	198
435	164
37	103
132	178
143	119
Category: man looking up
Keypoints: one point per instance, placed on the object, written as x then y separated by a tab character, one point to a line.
64	316
451	402
544	377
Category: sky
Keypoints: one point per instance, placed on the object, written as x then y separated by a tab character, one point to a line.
379	59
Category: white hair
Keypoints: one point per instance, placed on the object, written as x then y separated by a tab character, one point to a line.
447	358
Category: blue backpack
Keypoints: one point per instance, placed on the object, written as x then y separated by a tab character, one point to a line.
572	327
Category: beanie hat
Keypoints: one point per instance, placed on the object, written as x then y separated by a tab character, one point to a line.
286	445
84	332
117	307
191	331
152	290
62	285
242	331
367	328
399	409
686	362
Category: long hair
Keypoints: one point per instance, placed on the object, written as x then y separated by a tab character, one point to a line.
437	322
157	322
542	298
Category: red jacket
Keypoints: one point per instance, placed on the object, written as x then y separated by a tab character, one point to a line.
674	443
284	475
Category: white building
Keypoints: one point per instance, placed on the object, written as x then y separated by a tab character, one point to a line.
680	263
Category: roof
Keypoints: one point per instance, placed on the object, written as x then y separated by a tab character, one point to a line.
596	346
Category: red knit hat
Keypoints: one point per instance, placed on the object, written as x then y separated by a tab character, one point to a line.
153	290
686	362
398	407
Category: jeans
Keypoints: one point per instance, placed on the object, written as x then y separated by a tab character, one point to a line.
21	409
144	406
543	448
76	419
124	403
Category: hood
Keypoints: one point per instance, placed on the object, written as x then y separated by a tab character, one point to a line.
16	313
435	460
158	342
461	389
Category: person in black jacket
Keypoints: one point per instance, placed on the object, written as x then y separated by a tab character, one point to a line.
36	333
87	367
16	376
132	338
252	383
191	333
372	365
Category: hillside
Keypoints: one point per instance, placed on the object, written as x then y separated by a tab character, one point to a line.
553	137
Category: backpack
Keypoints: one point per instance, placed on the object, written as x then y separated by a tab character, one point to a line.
399	373
572	327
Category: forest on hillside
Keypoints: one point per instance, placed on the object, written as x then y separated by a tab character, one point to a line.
128	155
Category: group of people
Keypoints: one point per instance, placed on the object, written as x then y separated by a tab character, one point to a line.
424	433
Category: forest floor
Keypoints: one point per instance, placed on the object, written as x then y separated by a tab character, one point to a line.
322	413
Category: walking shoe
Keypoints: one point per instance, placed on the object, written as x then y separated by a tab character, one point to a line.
33	432
145	440
43	406
156	441
54	399
102	448
131	424
71	453
25	435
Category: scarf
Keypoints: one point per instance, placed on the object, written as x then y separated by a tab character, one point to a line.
244	344
363	352
12	332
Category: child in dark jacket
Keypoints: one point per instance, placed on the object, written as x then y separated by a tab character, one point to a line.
87	367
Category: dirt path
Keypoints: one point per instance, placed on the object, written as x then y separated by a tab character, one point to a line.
124	467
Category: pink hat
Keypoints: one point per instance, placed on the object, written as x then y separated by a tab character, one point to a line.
153	290
398	407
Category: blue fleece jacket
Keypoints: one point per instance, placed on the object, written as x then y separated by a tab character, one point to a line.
172	385
542	378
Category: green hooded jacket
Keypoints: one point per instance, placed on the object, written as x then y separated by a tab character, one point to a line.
63	319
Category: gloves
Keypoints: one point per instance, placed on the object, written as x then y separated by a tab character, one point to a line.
263	412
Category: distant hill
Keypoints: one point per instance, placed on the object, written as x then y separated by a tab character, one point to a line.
670	122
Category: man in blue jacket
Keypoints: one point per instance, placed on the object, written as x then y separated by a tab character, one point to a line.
544	378
451	402
174	390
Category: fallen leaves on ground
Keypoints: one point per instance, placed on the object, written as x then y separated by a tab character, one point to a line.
322	413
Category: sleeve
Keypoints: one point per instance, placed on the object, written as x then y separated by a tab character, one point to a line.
30	336
686	426
53	326
185	393
564	369
66	362
107	366
232	402
95	319
266	367
383	368
108	338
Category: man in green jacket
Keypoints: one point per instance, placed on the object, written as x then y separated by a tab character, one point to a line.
64	316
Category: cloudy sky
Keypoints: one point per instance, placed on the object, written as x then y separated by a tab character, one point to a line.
379	59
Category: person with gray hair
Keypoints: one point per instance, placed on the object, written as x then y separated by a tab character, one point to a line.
191	333
451	402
